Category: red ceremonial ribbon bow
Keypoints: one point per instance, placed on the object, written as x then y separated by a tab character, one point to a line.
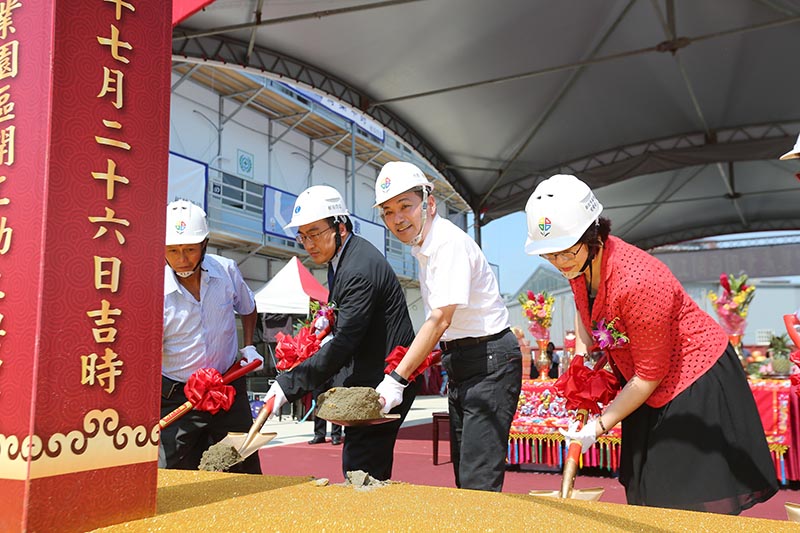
206	390
291	351
397	354
584	388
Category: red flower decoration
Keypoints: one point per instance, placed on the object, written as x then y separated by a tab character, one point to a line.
584	388
723	280
397	354
206	390
291	351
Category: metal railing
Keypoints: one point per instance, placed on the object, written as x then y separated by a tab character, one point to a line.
236	207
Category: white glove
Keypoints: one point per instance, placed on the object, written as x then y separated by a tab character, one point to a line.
280	399
586	435
249	354
391	393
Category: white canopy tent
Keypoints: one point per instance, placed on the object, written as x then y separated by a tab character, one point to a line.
290	291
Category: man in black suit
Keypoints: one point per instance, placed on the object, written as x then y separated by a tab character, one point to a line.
371	319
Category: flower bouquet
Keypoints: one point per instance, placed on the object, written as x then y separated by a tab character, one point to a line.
731	305
538	309
732	302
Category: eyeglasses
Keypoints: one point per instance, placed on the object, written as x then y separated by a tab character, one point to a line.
562	256
313	237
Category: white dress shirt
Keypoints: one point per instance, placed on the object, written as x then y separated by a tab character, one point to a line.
454	271
203	334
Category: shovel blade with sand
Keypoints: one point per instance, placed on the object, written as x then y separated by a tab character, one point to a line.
352	406
236	447
247	444
589	495
365	422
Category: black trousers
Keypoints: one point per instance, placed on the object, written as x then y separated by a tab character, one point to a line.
184	441
371	448
484	386
321	425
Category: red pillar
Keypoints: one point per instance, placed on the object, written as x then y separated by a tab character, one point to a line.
84	113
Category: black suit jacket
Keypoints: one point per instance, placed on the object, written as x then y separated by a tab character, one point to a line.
371	319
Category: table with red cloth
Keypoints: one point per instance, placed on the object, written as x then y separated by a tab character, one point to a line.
534	436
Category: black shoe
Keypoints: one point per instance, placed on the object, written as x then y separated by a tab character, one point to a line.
317	440
336	440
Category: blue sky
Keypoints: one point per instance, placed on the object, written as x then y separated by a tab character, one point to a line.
503	243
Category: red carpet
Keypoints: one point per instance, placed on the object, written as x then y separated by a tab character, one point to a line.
413	463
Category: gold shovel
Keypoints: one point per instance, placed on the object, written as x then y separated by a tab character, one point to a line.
253	440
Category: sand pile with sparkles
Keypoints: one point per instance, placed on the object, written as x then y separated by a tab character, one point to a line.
193	500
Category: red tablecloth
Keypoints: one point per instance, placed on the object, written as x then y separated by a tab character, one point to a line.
534	436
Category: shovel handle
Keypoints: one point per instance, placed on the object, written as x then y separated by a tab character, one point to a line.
233	373
570	469
258	423
573	459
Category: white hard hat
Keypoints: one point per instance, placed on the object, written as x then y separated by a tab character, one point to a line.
397	177
794	153
317	203
186	223
559	211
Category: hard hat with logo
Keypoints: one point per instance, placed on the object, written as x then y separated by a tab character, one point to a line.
397	177
186	223
558	212
317	203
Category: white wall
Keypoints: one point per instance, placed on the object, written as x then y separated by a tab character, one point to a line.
286	168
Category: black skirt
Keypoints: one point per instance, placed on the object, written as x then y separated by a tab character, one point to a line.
703	451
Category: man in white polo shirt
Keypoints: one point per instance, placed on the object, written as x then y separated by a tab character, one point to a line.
466	316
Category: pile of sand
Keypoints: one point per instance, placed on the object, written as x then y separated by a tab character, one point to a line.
219	458
349	404
360	480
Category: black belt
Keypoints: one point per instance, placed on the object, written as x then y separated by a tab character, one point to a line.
448	346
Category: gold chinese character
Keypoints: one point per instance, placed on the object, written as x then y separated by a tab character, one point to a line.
107	279
112	83
115	44
7	145
5	236
8	59
113	124
104	372
4	201
119	5
110	177
6	24
2	331
6	107
102	317
110	219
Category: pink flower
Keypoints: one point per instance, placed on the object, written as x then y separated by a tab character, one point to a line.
607	336
723	280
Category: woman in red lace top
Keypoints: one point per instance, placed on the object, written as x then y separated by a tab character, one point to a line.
691	433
